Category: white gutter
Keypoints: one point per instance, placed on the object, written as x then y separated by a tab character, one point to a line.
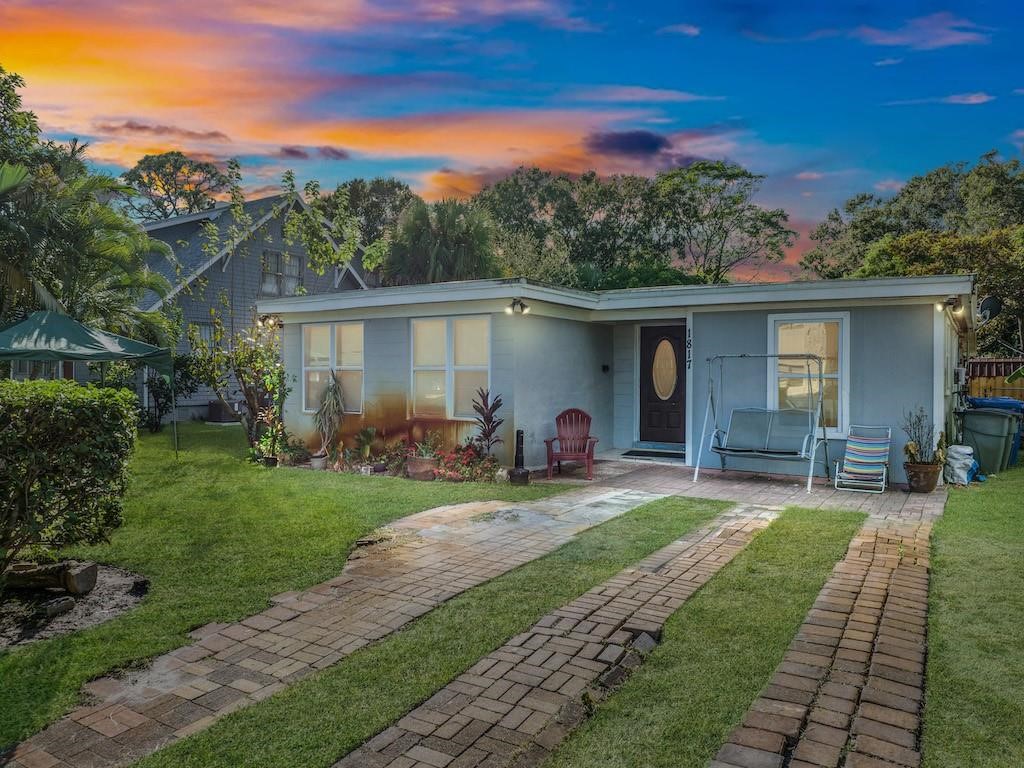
641	298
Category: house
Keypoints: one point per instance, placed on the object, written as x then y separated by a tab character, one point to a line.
411	358
259	266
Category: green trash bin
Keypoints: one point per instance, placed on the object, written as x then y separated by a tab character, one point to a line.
990	433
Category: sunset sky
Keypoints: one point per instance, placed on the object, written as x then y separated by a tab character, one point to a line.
448	94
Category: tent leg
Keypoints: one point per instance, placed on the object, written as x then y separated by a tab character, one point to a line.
174	416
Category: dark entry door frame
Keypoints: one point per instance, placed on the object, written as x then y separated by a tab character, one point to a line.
662	417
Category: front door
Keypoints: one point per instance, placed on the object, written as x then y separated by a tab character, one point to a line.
663	383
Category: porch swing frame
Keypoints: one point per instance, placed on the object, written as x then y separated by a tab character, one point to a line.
718	441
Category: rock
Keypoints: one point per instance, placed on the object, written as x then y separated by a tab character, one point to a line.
77	578
501	476
80	578
57	606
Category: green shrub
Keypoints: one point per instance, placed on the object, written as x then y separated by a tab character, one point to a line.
64	452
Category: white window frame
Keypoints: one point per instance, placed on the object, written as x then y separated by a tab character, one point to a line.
449	367
280	276
333	360
839	432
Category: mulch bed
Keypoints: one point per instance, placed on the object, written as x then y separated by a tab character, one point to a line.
22	620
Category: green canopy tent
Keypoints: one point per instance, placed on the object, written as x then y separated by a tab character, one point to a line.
56	337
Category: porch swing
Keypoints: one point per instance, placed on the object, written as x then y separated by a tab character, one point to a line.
774	434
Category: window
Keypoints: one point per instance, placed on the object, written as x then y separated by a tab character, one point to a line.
281	273
450	362
824	335
332	347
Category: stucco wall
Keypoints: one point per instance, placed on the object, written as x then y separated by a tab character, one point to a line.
558	365
891	370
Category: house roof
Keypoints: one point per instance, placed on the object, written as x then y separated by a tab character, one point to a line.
184	234
607	305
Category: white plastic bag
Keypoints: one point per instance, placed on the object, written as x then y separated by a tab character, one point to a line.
959	460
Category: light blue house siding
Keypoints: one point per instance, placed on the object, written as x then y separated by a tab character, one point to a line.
539	365
580	350
891	372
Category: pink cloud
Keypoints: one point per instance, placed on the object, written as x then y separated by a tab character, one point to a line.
938	30
1017	137
687	30
970	99
636	93
809	176
889	185
890	62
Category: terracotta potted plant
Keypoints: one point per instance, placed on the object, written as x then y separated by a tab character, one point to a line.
422	462
925	455
328	420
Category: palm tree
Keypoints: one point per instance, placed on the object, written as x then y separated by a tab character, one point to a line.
63	247
99	271
449	240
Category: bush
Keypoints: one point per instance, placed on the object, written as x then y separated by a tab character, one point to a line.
467	462
64	452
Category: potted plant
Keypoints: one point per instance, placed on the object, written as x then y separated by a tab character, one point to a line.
925	455
328	420
364	444
422	461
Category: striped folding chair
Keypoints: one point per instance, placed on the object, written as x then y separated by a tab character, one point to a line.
865	467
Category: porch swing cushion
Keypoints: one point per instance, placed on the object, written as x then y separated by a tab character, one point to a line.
782	433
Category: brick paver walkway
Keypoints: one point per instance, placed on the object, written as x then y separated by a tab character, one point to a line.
520	701
850	689
744	487
434	556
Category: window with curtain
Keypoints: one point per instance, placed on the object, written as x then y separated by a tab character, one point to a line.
789	386
334	347
450	362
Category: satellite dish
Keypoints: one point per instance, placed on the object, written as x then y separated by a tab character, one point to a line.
990	307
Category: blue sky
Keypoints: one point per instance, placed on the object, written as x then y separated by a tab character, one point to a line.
448	94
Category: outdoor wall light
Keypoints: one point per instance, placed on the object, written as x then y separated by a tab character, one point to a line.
953	303
517	307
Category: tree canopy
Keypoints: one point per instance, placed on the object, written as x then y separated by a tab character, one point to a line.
446	240
953	219
689	224
172	184
62	245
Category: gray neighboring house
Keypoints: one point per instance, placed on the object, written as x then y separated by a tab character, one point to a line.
410	358
264	267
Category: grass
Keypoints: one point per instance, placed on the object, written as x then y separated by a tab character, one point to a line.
975	688
718	651
319	719
216	537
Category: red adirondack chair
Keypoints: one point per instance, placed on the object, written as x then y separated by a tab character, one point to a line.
574	441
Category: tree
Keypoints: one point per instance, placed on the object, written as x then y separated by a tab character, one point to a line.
996	257
247	364
172	184
376	204
952	198
602	223
19	129
448	240
707	217
518	253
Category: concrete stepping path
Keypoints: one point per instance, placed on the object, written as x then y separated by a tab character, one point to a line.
519	702
850	689
426	559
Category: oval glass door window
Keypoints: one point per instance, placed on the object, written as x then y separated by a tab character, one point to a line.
663	369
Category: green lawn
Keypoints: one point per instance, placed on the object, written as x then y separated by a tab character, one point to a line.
319	719
217	537
974	714
719	650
